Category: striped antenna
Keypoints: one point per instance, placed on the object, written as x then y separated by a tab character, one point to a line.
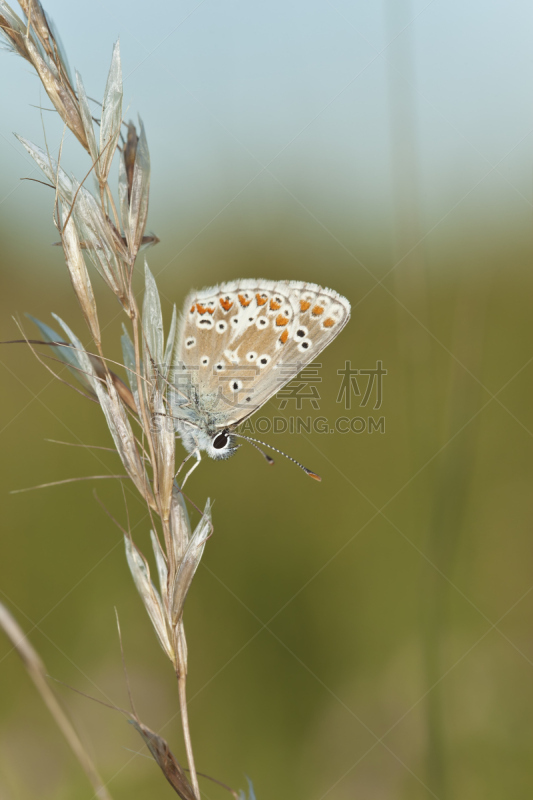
256	442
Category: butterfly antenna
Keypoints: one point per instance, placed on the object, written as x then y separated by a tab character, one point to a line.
268	458
256	442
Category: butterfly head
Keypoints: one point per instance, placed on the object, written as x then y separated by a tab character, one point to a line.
219	446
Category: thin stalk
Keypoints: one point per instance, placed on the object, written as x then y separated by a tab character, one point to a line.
415	350
117	223
182	681
117	227
37	673
81	184
102	198
134	316
113	207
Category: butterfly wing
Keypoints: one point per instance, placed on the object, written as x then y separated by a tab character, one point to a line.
239	343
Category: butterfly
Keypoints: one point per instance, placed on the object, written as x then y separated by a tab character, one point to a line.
238	344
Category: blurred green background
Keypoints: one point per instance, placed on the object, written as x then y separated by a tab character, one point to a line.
368	637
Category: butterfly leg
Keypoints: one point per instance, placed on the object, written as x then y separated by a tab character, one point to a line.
198	459
189	455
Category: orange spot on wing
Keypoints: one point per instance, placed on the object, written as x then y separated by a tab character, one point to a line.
274	306
281	320
193	308
226	304
243	301
284	336
203	310
304	305
329	323
317	311
260	300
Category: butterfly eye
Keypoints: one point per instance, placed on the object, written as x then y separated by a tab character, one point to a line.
220	441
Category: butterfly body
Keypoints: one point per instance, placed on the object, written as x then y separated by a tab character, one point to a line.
239	343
